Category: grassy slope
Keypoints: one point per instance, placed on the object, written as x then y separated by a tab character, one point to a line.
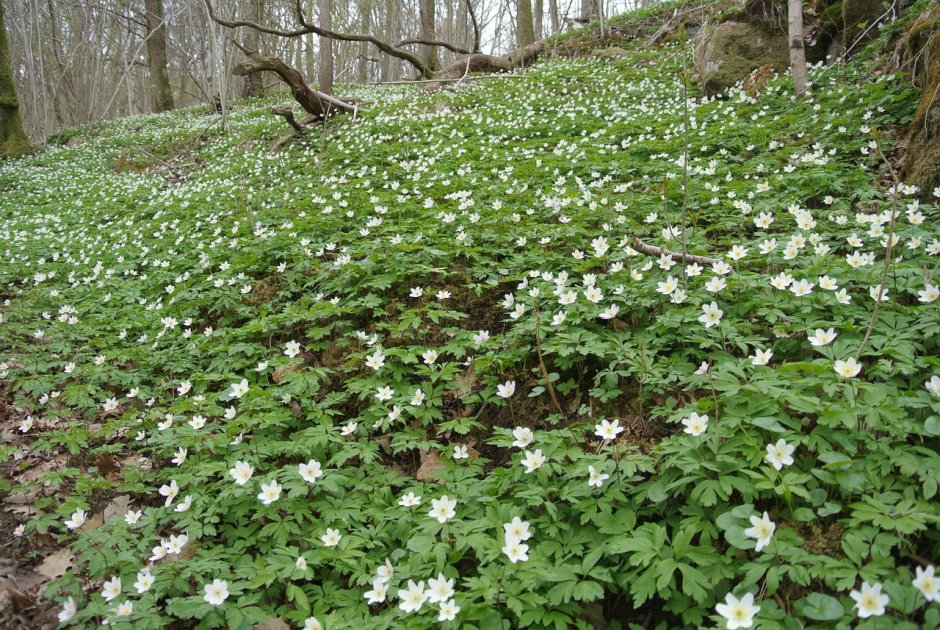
488	191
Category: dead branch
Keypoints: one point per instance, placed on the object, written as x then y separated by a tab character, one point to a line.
313	101
652	250
288	115
433	42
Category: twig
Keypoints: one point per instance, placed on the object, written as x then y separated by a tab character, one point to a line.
888	250
548	380
288	115
464	78
652	250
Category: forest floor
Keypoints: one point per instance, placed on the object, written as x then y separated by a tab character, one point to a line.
426	366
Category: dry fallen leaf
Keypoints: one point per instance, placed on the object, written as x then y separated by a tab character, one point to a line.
56	565
272	623
118	507
430	466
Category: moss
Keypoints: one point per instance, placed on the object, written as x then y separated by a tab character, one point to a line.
830	20
728	52
921	55
857	17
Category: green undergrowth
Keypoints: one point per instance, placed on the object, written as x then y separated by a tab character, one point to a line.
307	378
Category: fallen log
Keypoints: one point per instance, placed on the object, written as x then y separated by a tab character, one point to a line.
652	250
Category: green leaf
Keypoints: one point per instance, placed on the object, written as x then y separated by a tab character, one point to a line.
820	607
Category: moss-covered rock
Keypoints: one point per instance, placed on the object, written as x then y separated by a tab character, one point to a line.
857	17
726	53
921	55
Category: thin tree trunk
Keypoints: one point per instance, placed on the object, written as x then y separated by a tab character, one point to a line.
797	52
160	93
525	34
365	10
13	140
556	18
539	18
325	74
253	84
426	16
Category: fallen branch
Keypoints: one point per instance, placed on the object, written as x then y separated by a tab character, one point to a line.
652	250
288	115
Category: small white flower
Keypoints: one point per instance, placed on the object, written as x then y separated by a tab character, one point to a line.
779	454
847	368
331	538
239	389
216	592
596	478
926	582
76	520
761	529
695	424
241	473
506	390
738	613
410	500
443	509
869	601
111	588
311	471
270	492
533	460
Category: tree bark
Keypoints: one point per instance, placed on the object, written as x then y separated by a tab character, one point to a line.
365	11
316	103
160	92
539	18
525	33
426	16
797	52
556	18
13	142
253	85
325	73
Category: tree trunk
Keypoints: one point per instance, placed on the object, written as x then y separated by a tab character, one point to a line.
539	18
426	15
253	85
556	18
13	140
317	103
797	52
589	11
160	93
325	74
525	34
365	10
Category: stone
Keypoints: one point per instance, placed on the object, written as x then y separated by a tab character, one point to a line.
728	52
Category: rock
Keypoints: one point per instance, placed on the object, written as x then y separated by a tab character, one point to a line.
857	17
921	55
612	53
728	52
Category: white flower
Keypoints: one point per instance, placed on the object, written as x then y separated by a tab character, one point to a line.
848	368
930	294
608	430
524	435
111	588
376	360
440	589
312	623
378	592
481	337
311	471
241	473
507	389
331	538
413	597
239	389
926	582
429	356
411	500
216	592
516	550
443	509
169	491
76	520
517	529
695	424
385	571
417	398
270	492
533	460
822	337
933	385
711	314
69	610
448	611
131	517
869	601
779	454
610	312
460	452
739	613
144	580
761	529
184	505
349	428
761	357
596	478
384	393
124	609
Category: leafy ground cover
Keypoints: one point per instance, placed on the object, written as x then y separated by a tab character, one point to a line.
416	371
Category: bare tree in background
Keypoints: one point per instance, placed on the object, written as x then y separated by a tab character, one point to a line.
797	51
426	12
325	73
160	91
13	140
253	85
525	33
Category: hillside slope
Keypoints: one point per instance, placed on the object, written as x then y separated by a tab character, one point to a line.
422	351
